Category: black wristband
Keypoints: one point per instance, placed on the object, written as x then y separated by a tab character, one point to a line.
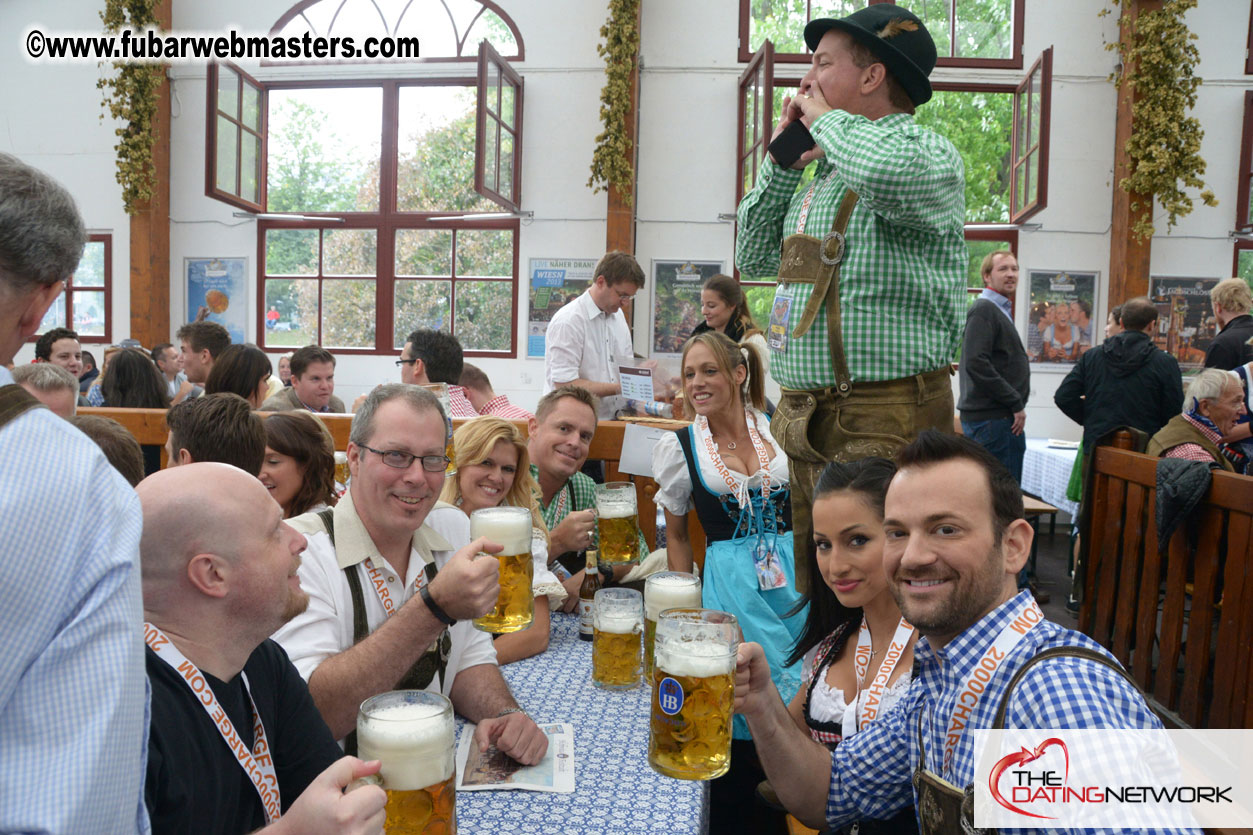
439	613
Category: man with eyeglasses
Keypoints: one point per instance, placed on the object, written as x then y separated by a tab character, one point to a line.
431	356
393	584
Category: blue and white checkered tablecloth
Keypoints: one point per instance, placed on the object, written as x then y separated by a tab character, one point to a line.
616	791
1046	472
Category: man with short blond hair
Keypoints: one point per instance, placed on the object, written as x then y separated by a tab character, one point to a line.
1232	300
51	385
994	377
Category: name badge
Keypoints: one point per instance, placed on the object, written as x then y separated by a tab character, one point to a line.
780	315
769	571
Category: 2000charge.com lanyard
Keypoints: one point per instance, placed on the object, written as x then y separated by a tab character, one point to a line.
257	763
861	662
1028	617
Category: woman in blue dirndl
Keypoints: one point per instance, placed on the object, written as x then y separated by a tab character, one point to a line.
728	467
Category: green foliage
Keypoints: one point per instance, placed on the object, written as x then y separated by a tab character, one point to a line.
980	126
612	159
130	96
1165	142
304	172
1244	268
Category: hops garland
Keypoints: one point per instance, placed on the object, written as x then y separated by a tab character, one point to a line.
612	159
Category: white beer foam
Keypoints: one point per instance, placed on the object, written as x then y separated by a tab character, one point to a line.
505	526
697	659
618	624
669	591
614	510
415	746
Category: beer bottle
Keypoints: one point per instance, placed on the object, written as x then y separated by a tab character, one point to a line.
587	591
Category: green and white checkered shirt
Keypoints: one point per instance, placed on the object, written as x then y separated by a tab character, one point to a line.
579	493
903	279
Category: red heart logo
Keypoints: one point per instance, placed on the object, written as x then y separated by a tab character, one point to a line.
1019	758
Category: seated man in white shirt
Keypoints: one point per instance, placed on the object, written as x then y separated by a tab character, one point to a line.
393	583
586	335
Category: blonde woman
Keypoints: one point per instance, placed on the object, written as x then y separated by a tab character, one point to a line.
494	469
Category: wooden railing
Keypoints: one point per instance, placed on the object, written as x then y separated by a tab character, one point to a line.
1180	621
148	427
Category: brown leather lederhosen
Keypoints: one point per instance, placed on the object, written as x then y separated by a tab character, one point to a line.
944	809
431	662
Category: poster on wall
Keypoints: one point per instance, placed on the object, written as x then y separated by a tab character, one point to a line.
1061	324
217	292
554	282
1185	318
676	302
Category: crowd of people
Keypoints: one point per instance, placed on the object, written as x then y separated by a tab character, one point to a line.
236	607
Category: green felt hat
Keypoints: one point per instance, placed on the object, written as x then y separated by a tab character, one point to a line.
896	37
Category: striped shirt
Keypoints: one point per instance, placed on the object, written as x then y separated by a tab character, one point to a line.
73	691
1195	452
903	278
501	407
871	771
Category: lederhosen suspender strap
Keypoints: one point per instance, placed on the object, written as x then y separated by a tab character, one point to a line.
15	401
806	260
951	809
422	673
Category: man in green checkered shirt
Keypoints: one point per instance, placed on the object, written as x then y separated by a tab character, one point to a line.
865	363
559	437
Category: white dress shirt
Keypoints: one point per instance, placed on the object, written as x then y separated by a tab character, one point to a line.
582	341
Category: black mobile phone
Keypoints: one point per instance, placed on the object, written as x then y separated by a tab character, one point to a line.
789	145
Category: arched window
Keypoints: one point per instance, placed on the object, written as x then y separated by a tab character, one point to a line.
449	30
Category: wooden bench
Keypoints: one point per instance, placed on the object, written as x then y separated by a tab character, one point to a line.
1158	611
148	427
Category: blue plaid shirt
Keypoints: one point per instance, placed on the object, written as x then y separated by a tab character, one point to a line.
73	690
871	771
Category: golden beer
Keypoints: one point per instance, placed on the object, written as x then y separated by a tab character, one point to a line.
666	590
412	733
693	694
342	473
619	539
617	623
617	523
515	606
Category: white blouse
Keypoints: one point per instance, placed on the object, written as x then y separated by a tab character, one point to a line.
675	484
543	581
827	703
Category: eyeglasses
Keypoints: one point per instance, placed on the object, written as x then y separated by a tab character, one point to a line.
400	460
403	361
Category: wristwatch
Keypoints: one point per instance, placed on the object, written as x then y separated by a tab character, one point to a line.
510	710
442	616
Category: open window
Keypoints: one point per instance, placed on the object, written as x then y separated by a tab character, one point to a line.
236	129
967	33
756	117
1029	184
1244	178
498	131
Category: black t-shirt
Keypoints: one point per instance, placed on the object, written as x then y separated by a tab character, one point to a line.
194	783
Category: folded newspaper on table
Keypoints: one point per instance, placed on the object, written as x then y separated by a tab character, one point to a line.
478	769
1055	443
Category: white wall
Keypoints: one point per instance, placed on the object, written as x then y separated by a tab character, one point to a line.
49	116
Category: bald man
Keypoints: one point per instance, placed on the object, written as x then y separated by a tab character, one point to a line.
235	742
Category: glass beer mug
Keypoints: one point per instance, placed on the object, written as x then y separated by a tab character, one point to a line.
617	523
617	621
510	527
689	735
413	734
665	590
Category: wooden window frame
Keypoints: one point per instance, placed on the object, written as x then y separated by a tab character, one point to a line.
488	117
1014	62
758	74
1244	175
68	293
1022	156
211	139
386	220
1241	246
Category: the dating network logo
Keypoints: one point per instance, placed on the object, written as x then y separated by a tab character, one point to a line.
1022	791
